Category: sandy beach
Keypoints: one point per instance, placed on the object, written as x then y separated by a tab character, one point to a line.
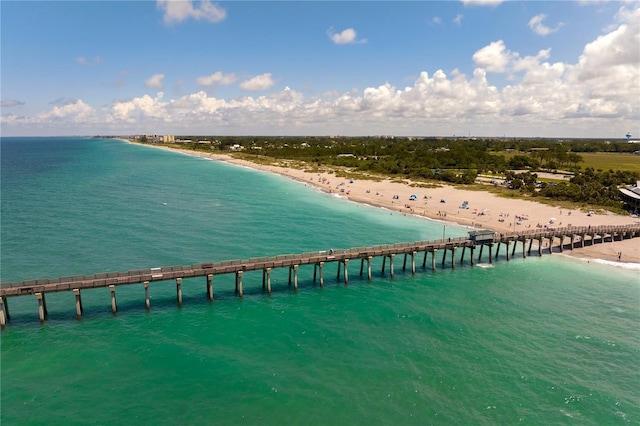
478	209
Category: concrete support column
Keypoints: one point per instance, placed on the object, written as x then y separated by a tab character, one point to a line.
147	303
114	305
490	254
295	277
473	248
369	267
384	262
433	259
239	282
453	257
540	247
290	269
179	290
346	272
321	265
6	308
573	237
361	266
76	293
42	306
444	255
582	240
497	250
338	273
404	262
146	295
424	261
210	287
480	253
561	243
530	244
550	244
413	262
515	244
464	248
267	272
507	243
391	264
3	319
524	246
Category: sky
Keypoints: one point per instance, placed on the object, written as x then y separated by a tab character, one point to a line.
421	68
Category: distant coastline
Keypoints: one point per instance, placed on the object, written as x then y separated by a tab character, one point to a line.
482	209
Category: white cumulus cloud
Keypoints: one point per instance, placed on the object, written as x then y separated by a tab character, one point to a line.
494	57
258	83
216	78
176	11
539	28
348	36
154	82
594	96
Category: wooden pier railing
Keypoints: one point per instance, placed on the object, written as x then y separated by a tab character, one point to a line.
568	238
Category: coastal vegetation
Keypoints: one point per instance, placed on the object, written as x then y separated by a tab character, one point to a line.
588	172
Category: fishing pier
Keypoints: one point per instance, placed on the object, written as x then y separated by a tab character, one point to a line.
547	240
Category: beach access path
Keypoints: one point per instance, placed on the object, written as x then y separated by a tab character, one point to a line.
482	209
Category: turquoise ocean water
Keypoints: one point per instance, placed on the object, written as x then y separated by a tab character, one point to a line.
534	341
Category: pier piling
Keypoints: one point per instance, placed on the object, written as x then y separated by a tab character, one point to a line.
76	292
42	306
239	283
266	275
114	306
210	287
6	307
345	263
3	320
147	303
413	263
179	290
433	259
453	257
295	277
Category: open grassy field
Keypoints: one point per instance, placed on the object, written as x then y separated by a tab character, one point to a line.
611	160
599	160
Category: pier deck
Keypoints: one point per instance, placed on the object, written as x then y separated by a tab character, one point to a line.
577	237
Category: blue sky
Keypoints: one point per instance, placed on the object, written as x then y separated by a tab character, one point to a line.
486	68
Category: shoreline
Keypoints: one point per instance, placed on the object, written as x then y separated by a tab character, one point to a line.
474	209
